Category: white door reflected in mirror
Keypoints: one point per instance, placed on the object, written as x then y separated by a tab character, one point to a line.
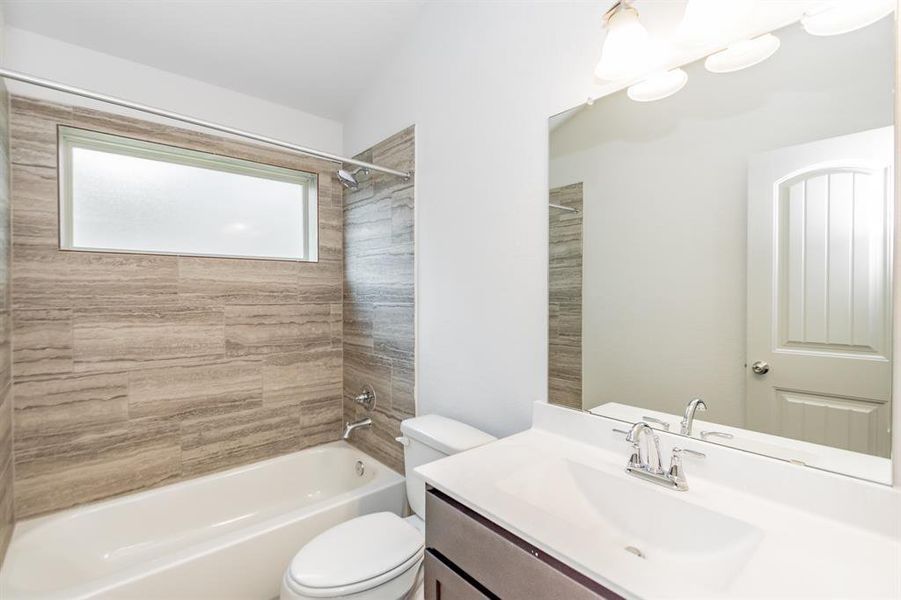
819	273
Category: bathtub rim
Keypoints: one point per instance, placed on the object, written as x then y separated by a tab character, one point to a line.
130	497
383	481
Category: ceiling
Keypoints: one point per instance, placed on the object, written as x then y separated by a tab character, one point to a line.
313	55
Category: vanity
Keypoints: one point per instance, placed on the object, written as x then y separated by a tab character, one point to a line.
722	280
552	513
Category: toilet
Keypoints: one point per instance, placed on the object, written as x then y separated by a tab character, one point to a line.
379	556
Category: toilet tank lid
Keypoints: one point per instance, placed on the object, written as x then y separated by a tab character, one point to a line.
443	434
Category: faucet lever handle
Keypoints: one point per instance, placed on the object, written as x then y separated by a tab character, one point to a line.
676	459
366	398
690	452
656	421
676	472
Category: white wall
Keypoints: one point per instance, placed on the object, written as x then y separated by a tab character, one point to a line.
665	204
51	59
479	80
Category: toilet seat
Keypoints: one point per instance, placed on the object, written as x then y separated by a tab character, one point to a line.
356	556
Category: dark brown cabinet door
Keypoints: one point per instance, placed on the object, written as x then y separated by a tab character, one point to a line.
442	583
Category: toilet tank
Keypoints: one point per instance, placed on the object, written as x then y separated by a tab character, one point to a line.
429	438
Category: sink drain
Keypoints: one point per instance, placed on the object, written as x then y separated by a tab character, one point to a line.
359	468
635	551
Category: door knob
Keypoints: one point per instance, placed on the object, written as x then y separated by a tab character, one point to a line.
760	367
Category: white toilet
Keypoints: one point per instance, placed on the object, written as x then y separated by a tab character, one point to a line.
379	556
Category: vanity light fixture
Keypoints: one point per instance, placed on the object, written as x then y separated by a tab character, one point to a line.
836	17
628	49
743	54
712	21
658	86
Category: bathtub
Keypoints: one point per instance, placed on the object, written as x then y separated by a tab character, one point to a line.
226	535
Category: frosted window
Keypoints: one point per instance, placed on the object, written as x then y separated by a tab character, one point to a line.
124	195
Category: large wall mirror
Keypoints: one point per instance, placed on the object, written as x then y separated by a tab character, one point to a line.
733	242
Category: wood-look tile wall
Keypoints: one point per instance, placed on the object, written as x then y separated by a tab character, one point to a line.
379	297
130	371
565	298
6	404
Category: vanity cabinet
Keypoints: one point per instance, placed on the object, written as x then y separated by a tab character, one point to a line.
470	558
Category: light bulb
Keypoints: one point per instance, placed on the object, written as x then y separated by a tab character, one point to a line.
743	54
658	86
628	48
843	16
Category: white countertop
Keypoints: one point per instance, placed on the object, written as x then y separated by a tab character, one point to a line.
803	551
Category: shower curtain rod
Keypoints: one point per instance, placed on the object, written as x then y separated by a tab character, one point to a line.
566	208
61	87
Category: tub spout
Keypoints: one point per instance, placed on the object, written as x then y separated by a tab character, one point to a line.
349	427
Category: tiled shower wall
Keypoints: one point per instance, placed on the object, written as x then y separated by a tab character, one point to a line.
131	371
565	298
6	404
379	312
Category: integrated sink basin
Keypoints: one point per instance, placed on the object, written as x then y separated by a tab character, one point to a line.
638	527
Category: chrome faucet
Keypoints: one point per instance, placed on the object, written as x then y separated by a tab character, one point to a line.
689	418
645	459
350	427
366	399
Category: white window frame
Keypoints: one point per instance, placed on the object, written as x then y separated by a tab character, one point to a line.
70	138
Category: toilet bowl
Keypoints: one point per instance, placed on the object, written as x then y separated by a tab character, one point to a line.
379	556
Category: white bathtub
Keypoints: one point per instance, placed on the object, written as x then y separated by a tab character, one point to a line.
226	535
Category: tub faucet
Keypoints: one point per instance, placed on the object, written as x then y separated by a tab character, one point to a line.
350	427
689	418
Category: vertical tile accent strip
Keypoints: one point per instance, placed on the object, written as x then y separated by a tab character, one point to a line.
131	370
379	302
565	298
6	397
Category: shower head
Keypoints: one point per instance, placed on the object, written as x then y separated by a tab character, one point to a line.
349	178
